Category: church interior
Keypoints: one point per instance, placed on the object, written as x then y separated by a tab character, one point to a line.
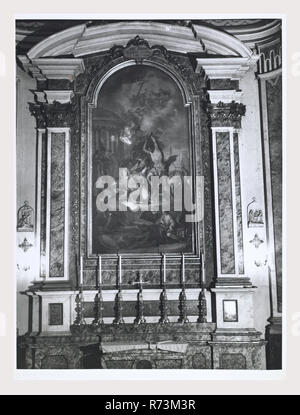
134	287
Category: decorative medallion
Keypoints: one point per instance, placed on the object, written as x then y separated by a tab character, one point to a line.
256	241
25	245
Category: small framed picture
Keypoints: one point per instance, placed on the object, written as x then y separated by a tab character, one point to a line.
230	311
55	314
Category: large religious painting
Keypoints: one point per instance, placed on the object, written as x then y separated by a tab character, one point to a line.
140	131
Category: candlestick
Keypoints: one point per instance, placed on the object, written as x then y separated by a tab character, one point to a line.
164	269
81	271
100	270
183	270
202	270
120	270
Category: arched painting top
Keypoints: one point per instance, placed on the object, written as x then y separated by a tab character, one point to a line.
98	82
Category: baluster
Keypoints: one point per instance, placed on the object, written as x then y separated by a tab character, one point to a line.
98	308
140	307
182	307
118	308
79	320
164	307
202	307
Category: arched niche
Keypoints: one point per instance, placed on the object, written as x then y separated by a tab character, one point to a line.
179	70
140	122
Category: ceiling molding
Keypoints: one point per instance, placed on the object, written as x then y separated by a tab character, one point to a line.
81	40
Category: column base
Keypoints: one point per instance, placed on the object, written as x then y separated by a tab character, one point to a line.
274	343
234	349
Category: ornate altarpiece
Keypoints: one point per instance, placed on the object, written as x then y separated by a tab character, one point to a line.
65	133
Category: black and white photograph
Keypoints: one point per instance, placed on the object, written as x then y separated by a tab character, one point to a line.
149	193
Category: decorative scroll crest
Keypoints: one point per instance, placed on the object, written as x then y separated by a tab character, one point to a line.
138	49
25	218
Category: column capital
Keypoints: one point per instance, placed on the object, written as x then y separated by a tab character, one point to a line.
56	114
226	114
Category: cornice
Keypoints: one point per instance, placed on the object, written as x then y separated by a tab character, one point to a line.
226	68
51	68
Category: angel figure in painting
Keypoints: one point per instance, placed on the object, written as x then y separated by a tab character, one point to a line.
160	165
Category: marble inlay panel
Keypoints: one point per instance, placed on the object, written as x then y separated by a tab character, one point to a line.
240	246
232	361
151	308
225	203
207	224
151	277
43	195
55	314
274	102
57	205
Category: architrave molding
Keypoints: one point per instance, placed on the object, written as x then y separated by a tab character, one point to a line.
226	96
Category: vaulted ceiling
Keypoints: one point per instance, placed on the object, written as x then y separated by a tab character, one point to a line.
253	32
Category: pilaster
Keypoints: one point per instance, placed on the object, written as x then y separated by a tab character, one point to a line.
272	150
236	343
55	109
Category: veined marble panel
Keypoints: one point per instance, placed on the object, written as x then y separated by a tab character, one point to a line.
225	203
240	246
43	195
274	99
150	277
151	308
57	205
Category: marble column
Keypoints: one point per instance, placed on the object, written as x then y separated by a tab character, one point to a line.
233	290
226	112
55	114
271	107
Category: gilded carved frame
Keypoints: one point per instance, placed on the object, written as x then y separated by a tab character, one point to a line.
190	84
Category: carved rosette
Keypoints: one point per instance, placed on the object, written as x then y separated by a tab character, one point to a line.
226	114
